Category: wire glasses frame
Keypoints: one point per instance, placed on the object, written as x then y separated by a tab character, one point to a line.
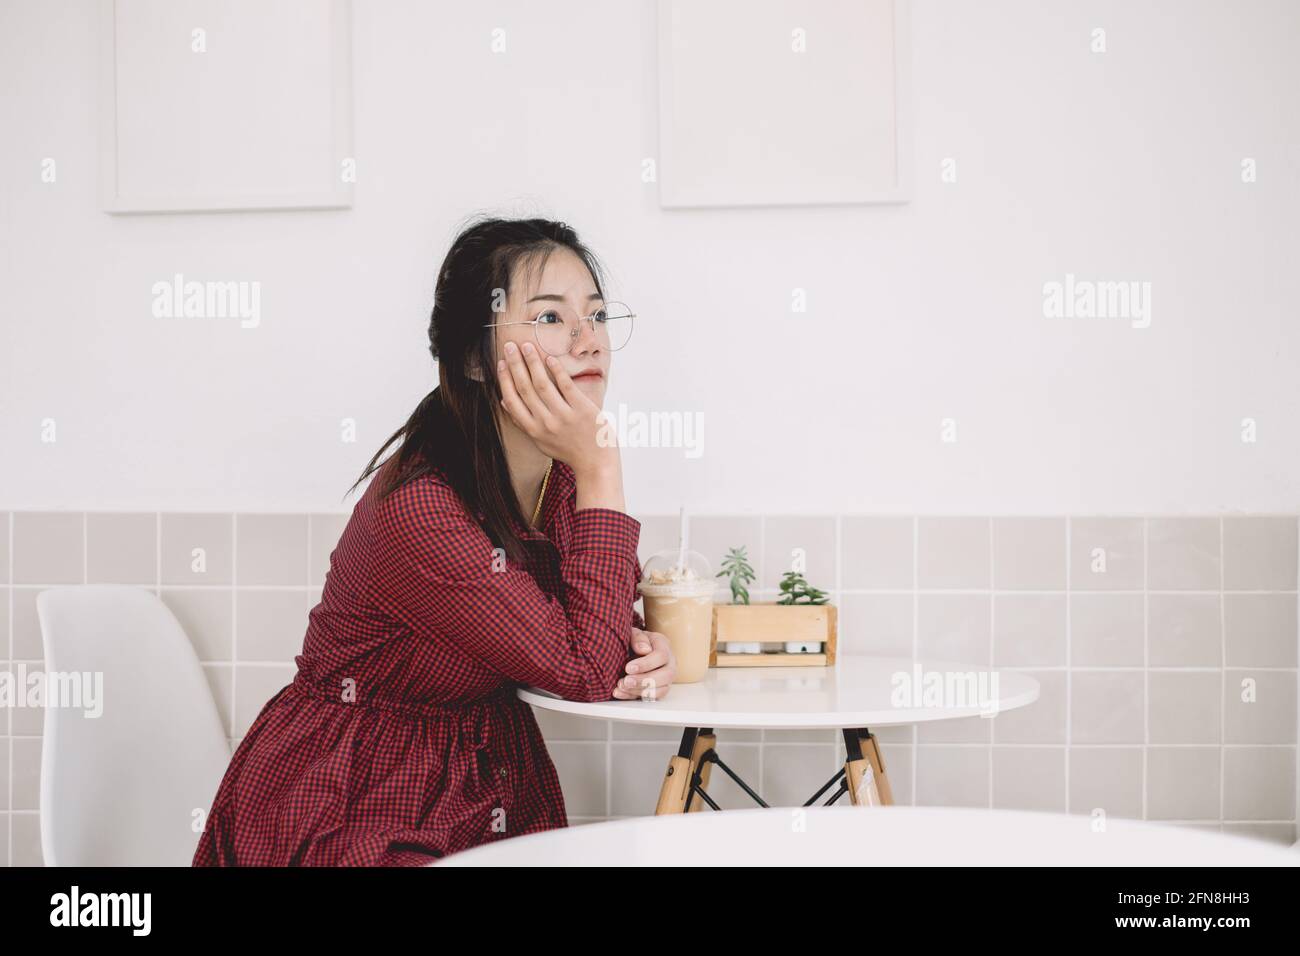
614	312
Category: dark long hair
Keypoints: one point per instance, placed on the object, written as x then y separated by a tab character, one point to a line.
454	428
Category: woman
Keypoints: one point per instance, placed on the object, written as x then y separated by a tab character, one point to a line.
400	738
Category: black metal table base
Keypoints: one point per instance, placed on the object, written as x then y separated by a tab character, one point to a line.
852	746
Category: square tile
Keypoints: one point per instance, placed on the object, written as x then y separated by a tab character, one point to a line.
952	776
955	627
1259	707
1029	778
26	773
877	552
26	847
48	547
1029	630
1183	783
1259	783
1260	630
1184	630
1108	779
1106	554
1043	721
876	624
1184	707
1107	707
122	549
1259	553
270	625
271	549
953	553
197	549
1183	554
1029	554
1106	630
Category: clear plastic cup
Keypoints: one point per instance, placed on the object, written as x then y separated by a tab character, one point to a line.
678	600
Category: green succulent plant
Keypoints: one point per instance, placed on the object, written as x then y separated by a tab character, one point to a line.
736	567
796	590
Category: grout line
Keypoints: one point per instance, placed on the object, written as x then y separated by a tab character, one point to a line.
992	720
916	637
8	717
1223	679
1069	652
1146	698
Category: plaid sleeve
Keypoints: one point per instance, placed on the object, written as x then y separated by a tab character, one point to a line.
637	620
442	574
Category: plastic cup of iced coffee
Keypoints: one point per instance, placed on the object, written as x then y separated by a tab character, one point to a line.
677	590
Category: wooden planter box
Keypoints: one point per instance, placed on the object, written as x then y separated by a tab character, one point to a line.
770	623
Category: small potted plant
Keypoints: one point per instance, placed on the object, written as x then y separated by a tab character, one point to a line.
796	590
739	573
801	621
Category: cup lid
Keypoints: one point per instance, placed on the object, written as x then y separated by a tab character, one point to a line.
667	570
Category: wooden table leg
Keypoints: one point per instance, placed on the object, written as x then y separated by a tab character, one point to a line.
676	787
704	742
864	770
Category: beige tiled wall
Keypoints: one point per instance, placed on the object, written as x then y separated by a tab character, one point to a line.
1141	661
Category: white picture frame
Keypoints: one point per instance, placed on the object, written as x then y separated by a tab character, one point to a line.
742	122
273	99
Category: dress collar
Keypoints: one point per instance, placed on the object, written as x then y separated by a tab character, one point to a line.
558	489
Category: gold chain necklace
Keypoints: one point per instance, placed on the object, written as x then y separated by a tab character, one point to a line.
545	478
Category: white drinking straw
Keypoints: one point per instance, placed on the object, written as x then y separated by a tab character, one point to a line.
681	533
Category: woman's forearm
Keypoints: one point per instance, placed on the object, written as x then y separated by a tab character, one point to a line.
601	485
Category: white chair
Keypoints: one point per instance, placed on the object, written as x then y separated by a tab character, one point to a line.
124	788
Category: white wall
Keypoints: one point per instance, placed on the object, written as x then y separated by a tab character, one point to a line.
1123	165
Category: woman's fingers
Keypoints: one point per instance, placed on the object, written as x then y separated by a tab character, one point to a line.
569	391
652	660
643	687
541	382
510	398
534	385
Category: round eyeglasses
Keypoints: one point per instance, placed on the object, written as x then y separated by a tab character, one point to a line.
558	327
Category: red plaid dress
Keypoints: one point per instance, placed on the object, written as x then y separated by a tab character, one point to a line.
400	738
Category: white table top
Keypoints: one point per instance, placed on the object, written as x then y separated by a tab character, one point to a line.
857	692
878	836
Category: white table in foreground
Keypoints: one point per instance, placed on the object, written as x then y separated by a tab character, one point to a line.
892	836
852	696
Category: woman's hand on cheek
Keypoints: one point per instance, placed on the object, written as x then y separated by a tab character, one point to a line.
651	674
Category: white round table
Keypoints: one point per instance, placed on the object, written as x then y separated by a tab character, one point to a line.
853	695
892	836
